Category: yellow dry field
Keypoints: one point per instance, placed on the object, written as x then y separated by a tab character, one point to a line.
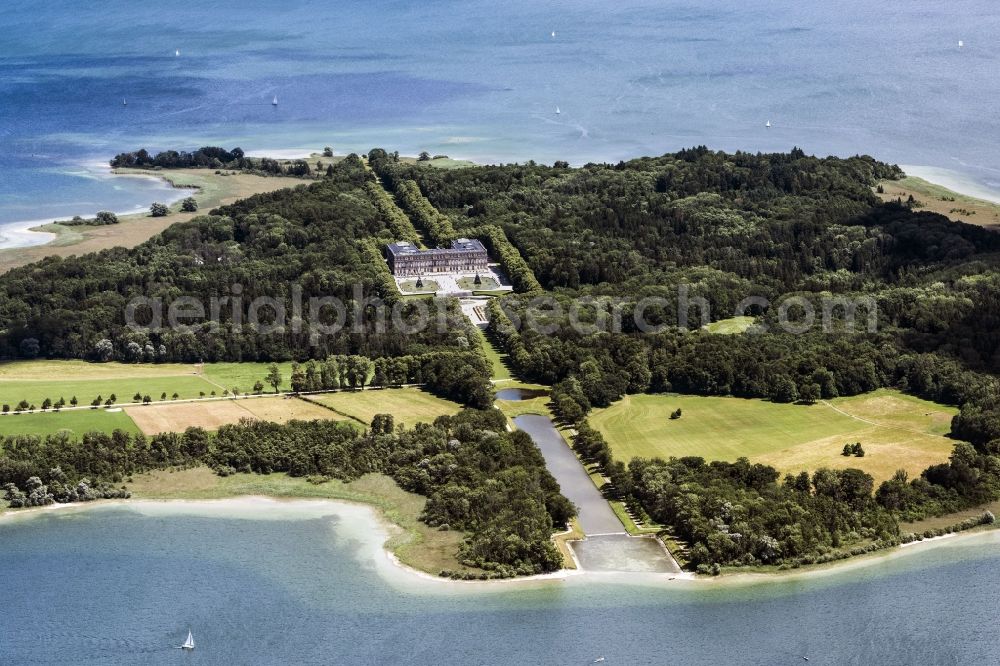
408	406
211	414
937	199
897	431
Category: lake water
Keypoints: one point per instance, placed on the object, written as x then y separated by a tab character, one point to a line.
305	583
471	78
607	547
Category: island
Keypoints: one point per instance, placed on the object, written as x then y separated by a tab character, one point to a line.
744	362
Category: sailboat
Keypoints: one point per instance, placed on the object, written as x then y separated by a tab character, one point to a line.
767	124
188	644
553	34
124	102
177	52
274	102
558	111
961	43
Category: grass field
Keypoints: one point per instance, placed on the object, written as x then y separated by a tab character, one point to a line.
730	326
36	380
416	544
408	405
75	421
896	431
212	414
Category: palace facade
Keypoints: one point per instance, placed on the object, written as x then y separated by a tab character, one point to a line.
464	256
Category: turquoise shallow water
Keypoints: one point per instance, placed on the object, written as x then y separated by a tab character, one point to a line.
475	79
116	585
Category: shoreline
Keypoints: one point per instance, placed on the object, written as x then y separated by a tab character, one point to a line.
953	181
379	530
32	234
31	230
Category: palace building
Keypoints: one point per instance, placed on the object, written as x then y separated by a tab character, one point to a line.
464	256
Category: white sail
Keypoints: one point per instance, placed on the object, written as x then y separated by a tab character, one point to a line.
189	643
177	52
274	102
767	124
961	43
557	110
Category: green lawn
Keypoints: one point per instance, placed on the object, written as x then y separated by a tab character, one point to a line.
730	326
896	431
496	357
243	375
124	388
410	287
469	283
76	421
36	380
408	405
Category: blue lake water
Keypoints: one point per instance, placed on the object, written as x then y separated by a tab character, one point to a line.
115	585
482	80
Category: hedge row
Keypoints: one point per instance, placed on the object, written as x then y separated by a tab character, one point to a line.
514	265
435	224
387	209
384	282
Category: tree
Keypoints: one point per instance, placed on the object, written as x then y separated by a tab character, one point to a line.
189	205
73	401
328	152
163	396
137	397
158	210
676	414
273	377
46	404
174	396
848	450
146	399
105	217
809	393
104	350
857	450
424	156
258	387
478	280
298	380
29	348
783	389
